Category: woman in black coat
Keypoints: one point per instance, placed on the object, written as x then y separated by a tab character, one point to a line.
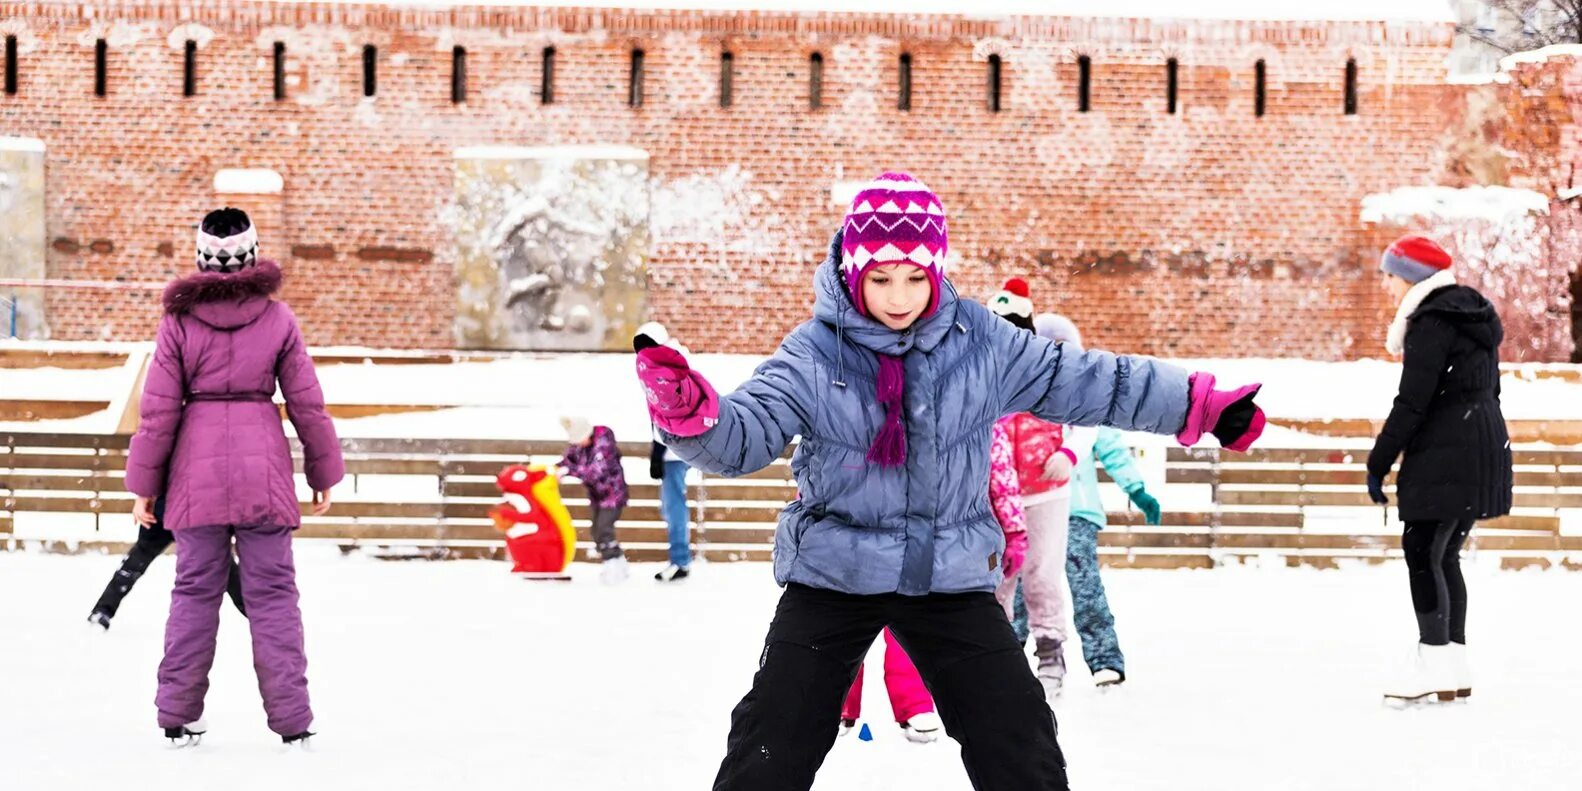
1447	428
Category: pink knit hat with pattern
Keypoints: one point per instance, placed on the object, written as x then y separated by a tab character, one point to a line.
895	219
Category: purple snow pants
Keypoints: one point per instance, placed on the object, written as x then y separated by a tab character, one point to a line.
269	587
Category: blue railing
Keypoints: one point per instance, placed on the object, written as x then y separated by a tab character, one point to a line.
11	311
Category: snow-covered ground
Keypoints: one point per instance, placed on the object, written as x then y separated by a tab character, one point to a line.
456	675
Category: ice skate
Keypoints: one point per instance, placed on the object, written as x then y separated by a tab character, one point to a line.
672	573
614	571
1428	677
1107	679
1461	670
300	741
189	735
923	728
1051	667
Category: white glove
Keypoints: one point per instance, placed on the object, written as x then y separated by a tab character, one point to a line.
1058	468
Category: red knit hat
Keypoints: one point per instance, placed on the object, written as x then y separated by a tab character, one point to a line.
1014	303
1414	259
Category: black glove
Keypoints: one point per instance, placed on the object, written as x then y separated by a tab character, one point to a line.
656	461
1235	420
1376	490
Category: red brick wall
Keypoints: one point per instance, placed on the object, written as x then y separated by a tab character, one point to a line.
1207	232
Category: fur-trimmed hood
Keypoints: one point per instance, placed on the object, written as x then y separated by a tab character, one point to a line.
225	301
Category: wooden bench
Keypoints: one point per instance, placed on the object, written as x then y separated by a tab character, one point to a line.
1333	482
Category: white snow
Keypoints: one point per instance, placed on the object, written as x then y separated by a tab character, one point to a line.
1496	204
1478	78
1341	10
1540	55
248	181
842	193
551	152
524	395
456	675
27	144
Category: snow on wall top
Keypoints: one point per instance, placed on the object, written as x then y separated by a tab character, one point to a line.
1540	55
1331	10
1497	204
248	181
31	144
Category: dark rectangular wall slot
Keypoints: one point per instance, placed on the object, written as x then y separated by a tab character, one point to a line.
995	82
904	89
1260	88
815	81
370	70
1172	84
727	78
634	80
280	71
546	78
101	57
10	65
189	69
1351	86
458	75
1084	83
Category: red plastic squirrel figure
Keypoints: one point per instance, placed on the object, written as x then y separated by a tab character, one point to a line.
536	524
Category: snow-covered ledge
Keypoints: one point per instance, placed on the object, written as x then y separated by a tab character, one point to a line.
1540	55
248	181
1497	204
27	144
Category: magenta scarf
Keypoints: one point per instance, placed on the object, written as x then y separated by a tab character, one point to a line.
889	446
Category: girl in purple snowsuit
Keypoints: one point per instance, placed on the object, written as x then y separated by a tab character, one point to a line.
594	457
212	442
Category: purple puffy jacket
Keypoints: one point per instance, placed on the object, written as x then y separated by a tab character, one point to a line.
599	467
211	439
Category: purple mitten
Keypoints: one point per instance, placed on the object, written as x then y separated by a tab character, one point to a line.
1015	553
1229	415
680	400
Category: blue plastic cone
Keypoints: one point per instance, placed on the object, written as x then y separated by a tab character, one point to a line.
865	734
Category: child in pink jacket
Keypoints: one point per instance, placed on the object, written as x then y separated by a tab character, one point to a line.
1040	460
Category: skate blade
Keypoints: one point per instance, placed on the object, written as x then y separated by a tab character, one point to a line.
186	742
921	737
1427	698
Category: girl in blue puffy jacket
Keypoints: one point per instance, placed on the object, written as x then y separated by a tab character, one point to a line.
894	387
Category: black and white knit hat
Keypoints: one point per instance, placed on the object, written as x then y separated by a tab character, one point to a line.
227	241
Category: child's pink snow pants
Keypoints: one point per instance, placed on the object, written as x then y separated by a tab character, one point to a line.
908	696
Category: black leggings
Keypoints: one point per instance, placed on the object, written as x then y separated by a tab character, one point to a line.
1439	594
966	653
151	543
